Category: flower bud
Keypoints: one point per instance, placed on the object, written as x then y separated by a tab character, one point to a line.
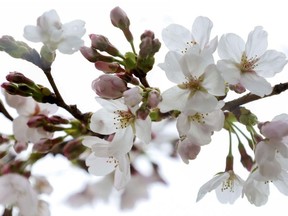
238	88
17	77
108	67
120	20
73	149
20	146
102	43
109	86
92	55
154	99
132	96
45	145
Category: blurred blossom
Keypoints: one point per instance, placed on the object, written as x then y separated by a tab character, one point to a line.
55	35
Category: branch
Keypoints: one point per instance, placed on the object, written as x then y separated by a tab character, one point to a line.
72	109
231	105
5	112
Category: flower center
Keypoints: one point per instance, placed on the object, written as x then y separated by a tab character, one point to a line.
248	65
198	118
229	184
194	84
123	119
189	44
113	160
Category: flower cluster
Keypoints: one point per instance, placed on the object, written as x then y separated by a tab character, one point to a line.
110	141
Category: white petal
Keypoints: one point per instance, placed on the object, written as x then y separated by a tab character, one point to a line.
201	30
202	102
231	46
70	45
213	81
99	166
176	37
270	63
173	99
33	33
230	72
212	184
183	124
282	184
121	179
143	129
89	141
102	122
256	43
172	67
112	105
256	84
74	28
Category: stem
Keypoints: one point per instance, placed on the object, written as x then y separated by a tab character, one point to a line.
5	112
72	109
7	212
231	105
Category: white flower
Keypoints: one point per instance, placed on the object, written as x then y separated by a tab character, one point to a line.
227	185
55	35
248	64
107	157
180	39
269	152
199	126
116	117
256	191
27	107
198	81
16	190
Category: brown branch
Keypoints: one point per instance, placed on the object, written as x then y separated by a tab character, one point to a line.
231	105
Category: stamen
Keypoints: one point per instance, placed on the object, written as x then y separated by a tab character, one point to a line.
248	65
123	119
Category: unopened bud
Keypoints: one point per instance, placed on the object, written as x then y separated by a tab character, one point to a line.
102	43
238	88
120	20
92	55
73	149
17	77
109	67
45	145
246	159
132	96
20	146
109	86
154	99
14	89
37	121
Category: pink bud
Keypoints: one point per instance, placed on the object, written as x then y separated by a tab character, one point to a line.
102	43
109	67
20	146
132	96
238	88
109	86
119	18
154	98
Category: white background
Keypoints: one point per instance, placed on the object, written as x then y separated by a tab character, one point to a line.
74	74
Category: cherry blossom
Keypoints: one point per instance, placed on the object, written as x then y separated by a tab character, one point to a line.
248	63
55	35
180	39
17	191
107	157
200	126
27	107
227	185
116	117
198	82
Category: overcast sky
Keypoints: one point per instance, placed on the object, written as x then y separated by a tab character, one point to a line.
75	75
